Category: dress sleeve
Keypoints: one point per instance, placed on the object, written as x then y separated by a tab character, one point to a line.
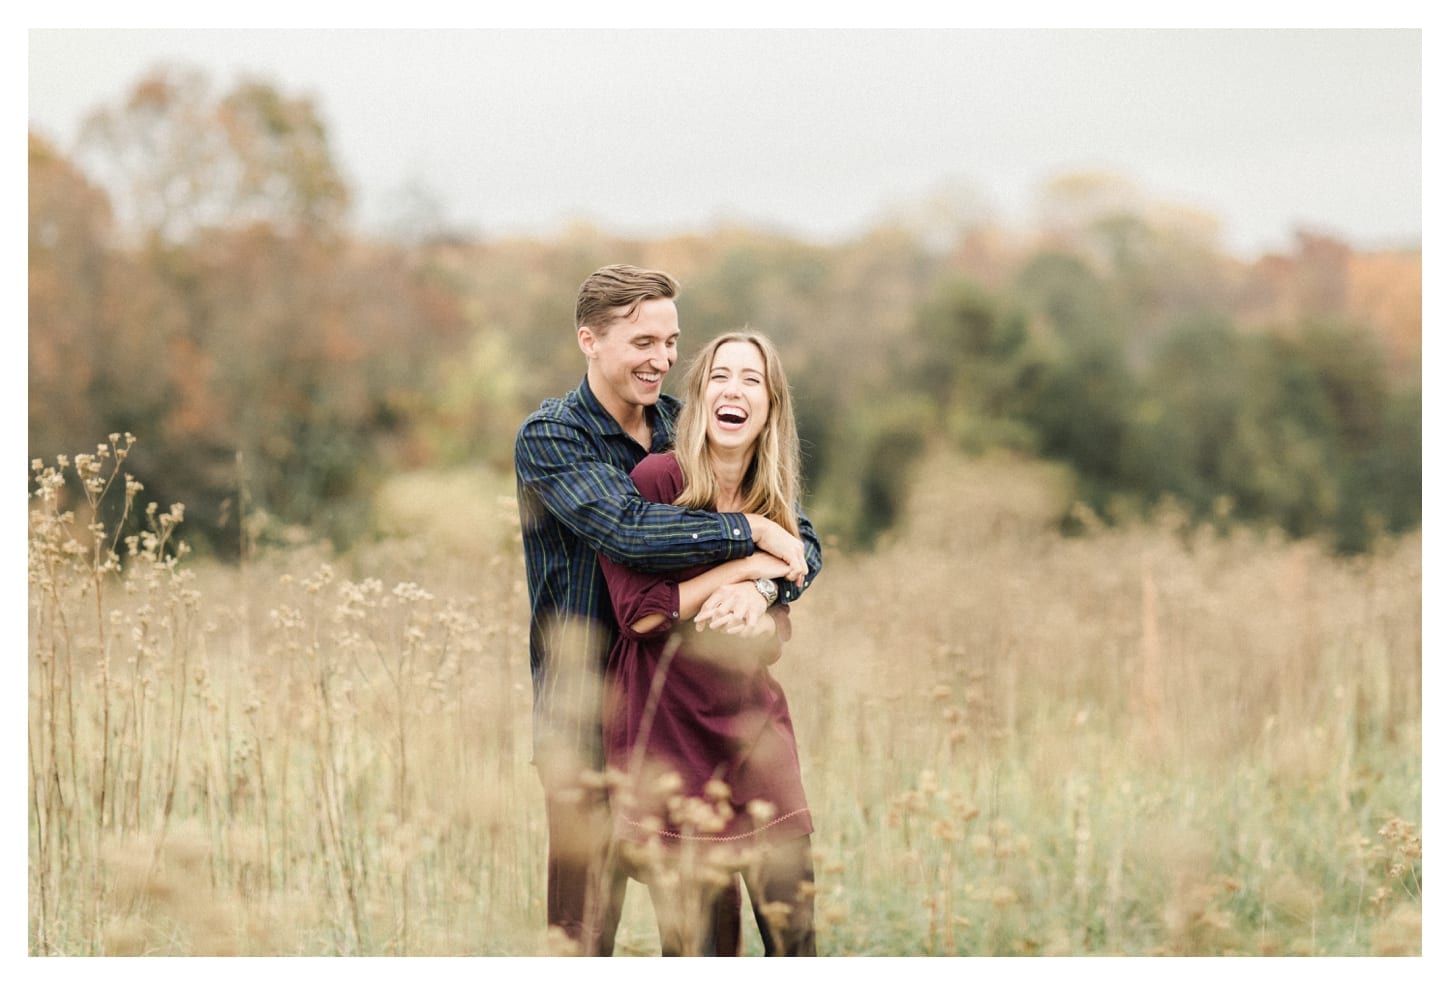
636	594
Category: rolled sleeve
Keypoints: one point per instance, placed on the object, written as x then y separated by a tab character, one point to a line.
637	595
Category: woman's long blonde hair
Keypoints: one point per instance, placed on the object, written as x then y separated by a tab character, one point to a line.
772	480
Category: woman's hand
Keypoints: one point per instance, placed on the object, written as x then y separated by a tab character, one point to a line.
736	609
772	538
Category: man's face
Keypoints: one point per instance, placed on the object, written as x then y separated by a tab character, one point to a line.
629	358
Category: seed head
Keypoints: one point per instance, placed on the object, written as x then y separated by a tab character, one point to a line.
760	811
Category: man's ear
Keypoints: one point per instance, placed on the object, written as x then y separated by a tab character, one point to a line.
587	340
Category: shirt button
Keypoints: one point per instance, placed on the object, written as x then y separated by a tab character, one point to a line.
694	536
735	531
674	615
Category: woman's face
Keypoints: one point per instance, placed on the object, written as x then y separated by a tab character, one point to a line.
737	395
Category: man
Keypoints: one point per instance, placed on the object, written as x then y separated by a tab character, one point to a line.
573	457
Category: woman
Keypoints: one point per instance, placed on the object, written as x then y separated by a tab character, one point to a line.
695	724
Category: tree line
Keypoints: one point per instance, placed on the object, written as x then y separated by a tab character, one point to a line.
194	280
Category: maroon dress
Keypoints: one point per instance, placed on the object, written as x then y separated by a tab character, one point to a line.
718	714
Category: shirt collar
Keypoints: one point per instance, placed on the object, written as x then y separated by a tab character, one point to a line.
662	426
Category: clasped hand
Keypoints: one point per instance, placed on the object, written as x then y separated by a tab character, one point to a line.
738	608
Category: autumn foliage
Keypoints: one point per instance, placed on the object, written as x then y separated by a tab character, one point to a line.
194	278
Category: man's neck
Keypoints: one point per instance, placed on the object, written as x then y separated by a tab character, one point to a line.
631	418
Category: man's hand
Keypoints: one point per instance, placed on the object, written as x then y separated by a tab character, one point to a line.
772	538
737	609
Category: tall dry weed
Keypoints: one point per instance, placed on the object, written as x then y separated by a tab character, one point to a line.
1110	699
1148	739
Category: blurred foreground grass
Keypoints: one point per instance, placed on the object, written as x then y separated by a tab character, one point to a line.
1144	740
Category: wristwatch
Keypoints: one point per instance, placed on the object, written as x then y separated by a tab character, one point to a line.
767	588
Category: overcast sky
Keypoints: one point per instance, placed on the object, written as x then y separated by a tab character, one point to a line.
817	133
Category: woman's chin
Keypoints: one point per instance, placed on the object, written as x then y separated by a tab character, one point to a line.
731	440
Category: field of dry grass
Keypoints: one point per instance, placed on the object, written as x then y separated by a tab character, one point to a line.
1145	740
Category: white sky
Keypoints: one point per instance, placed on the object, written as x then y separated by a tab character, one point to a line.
817	132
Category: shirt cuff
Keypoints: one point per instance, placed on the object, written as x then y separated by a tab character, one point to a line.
787	590
735	531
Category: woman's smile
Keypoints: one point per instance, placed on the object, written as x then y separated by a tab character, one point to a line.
731	417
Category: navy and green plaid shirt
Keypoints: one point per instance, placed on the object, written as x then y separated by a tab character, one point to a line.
576	499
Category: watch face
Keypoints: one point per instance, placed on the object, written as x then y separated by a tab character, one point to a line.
767	588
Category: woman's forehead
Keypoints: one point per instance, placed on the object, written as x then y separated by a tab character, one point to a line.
738	354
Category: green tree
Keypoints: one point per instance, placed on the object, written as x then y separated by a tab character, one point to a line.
1376	431
974	358
1300	430
1187	417
1080	409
